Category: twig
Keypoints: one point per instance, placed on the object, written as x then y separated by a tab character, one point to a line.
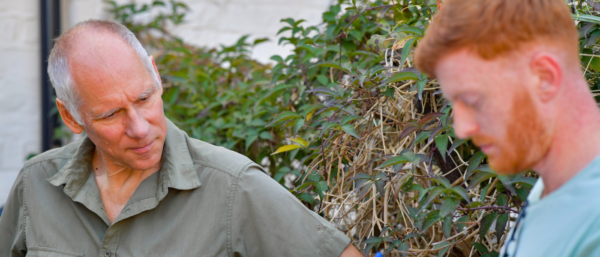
488	208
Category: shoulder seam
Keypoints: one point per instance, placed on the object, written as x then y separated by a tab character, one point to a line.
232	190
221	168
29	164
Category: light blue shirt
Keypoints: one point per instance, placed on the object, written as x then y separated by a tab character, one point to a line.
564	223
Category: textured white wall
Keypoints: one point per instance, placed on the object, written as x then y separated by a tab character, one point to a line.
214	22
20	120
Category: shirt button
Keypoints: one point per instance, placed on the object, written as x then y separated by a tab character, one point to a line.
107	253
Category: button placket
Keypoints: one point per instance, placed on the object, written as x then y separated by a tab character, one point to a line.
111	240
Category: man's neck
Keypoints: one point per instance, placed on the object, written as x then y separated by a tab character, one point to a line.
116	182
573	146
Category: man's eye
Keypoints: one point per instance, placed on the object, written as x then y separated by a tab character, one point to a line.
474	102
144	99
110	115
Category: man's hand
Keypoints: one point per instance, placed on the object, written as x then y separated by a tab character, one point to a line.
351	252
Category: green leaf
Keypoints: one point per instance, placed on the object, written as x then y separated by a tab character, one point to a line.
299	124
421	83
474	162
441	142
529	181
444	246
286	148
461	223
384	25
156	3
265	135
462	192
485	223
320	187
375	44
392	246
501	200
349	128
380	186
412	30
481	248
449	205
286	115
433	193
507	183
447	226
492	254
441	181
432	218
400	76
330	65
299	141
349	119
586	18
478	178
484	192
420	138
330	125
501	225
456	144
277	58
252	136
406	49
389	92
370	242
523	193
393	161
403	248
307	198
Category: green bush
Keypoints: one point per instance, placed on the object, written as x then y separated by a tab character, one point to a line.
364	137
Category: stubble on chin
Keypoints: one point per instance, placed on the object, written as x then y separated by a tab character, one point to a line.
527	139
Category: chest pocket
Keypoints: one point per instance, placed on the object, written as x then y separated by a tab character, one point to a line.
50	252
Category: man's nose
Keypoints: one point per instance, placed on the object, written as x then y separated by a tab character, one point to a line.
137	126
465	125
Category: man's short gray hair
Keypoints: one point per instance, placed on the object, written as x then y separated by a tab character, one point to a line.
58	65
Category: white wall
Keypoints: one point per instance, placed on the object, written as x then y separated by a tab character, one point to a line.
20	121
214	22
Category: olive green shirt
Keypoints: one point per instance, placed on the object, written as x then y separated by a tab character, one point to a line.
204	201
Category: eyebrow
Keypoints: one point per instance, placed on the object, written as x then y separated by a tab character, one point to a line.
145	94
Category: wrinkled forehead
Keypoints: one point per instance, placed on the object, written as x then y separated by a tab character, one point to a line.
97	57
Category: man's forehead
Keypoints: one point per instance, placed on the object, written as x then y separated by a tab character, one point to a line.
465	71
103	59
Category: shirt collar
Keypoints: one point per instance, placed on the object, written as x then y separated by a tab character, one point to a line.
177	168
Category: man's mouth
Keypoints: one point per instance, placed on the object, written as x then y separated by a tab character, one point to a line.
486	148
143	149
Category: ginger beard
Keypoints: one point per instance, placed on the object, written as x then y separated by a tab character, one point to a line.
525	142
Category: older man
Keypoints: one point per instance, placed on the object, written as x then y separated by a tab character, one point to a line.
136	185
511	69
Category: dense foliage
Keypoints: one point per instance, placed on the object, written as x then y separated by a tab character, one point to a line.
348	125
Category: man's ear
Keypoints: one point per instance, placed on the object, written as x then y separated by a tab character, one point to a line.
156	70
549	72
68	118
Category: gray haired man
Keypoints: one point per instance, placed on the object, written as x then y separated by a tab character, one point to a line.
136	185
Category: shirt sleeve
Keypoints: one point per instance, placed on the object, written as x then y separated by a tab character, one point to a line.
12	234
267	220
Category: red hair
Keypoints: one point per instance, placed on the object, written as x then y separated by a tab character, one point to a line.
491	28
